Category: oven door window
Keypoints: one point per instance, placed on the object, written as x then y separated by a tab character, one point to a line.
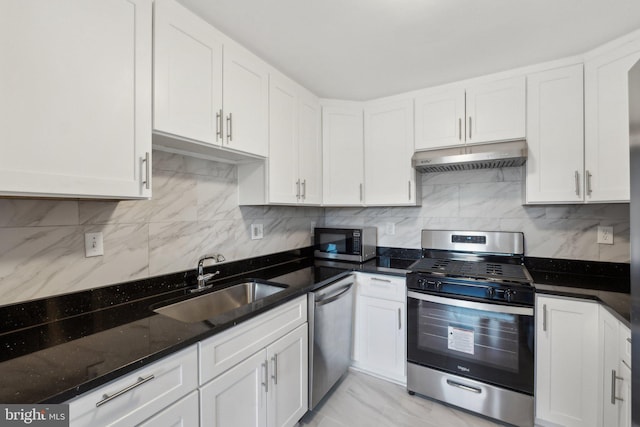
484	344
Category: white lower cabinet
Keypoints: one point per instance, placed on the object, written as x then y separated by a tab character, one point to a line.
583	365
567	380
380	327
616	372
183	413
267	386
145	393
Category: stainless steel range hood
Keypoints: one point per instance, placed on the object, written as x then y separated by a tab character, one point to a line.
481	156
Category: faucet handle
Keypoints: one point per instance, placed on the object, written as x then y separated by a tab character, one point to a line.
220	258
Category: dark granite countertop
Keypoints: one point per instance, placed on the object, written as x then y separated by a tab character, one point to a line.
54	349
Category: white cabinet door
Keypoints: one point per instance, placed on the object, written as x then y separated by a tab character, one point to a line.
609	333
388	147
183	413
567	374
496	111
187	74
283	181
288	370
238	397
555	136
246	101
342	155
309	149
607	123
440	119
75	110
380	331
624	372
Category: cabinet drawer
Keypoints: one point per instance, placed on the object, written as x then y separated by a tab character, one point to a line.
150	390
221	352
184	413
382	286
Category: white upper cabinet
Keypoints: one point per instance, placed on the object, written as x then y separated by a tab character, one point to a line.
555	136
607	123
388	147
496	111
246	101
187	74
342	154
194	66
75	110
291	175
440	119
483	112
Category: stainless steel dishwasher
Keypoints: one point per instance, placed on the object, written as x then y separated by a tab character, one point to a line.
330	332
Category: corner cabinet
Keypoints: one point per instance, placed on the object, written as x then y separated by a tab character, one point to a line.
607	123
555	136
567	377
380	326
342	154
616	372
483	112
389	178
209	92
75	112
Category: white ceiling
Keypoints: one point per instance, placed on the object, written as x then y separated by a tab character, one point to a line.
363	49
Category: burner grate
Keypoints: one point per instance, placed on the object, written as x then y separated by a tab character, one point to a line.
472	269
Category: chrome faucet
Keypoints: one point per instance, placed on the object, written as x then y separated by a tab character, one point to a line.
203	278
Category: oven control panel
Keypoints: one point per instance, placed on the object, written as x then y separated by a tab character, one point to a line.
512	293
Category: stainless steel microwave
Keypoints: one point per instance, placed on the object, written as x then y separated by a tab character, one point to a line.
348	244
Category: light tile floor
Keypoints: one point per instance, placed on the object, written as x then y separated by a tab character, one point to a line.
361	400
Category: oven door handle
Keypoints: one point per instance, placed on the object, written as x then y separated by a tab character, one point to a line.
495	308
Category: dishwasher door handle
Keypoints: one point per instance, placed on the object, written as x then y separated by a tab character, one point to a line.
334	297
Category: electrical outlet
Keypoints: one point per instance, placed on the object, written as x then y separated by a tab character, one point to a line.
93	245
313	226
605	235
257	231
390	228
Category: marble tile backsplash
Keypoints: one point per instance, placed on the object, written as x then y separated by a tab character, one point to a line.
194	210
491	199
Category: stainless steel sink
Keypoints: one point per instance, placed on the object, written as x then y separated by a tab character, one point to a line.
210	305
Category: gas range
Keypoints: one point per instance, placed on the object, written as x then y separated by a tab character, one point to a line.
470	324
473	272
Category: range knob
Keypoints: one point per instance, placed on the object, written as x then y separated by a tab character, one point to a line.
491	292
422	283
438	285
509	294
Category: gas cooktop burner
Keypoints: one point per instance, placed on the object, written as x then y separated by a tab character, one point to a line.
492	271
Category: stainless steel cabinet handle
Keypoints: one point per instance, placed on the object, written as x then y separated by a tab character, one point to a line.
265	366
614	377
275	369
219	125
147	170
399	319
409	189
298	189
375	279
577	177
544	317
360	191
588	183
229	128
106	398
469	127
460	129
464	387
304	189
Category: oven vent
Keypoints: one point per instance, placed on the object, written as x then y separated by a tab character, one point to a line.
483	156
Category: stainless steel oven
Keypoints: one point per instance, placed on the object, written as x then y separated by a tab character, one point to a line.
470	324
